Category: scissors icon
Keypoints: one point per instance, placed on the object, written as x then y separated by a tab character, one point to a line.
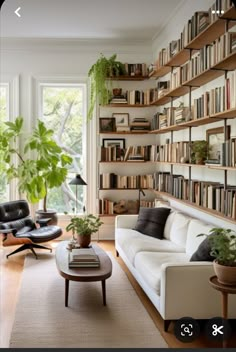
217	330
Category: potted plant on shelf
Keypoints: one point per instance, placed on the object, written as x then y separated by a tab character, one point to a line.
47	168
100	87
83	227
199	151
223	249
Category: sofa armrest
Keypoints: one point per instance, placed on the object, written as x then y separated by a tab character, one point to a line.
185	290
126	221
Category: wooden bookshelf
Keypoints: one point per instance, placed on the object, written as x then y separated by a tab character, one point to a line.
198	207
214	72
228	114
213	31
161	71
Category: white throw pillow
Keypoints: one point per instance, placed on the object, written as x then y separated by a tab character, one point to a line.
195	228
179	228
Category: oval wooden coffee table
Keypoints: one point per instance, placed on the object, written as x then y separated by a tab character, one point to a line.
83	274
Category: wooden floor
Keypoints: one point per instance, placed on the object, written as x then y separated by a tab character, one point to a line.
11	270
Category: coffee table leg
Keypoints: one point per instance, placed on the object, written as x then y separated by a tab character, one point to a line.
104	291
66	292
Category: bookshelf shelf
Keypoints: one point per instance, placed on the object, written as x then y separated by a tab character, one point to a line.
201	208
130	133
127	162
215	167
128	78
121	189
124	105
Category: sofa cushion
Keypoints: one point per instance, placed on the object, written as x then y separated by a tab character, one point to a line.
148	264
133	242
195	228
203	252
179	228
151	221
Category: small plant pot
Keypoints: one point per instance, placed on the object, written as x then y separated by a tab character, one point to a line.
226	274
116	91
84	240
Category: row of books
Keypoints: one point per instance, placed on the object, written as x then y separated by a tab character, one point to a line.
110	207
211	195
173	152
114	181
83	258
228	153
170	116
217	99
136	69
194	26
205	58
147	153
132	97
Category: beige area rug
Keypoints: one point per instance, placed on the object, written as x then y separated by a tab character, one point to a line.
42	320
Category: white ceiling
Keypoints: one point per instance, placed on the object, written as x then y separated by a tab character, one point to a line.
87	19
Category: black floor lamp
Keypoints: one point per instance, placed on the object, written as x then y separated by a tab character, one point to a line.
78	181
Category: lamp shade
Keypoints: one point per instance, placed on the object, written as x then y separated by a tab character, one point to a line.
77	181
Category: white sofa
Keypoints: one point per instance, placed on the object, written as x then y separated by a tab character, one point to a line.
177	287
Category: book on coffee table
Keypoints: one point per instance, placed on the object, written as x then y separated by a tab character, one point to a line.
83	257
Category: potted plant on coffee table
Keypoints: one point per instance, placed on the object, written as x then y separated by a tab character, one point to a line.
223	249
83	227
39	164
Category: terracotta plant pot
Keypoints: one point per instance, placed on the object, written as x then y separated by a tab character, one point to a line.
226	274
117	91
84	240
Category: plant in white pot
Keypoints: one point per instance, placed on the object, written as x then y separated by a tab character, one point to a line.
83	227
223	249
41	163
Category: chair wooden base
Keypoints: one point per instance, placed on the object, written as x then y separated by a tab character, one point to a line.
30	246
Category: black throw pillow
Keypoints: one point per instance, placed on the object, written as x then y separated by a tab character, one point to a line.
203	252
151	221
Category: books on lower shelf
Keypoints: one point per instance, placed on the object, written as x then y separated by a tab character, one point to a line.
83	258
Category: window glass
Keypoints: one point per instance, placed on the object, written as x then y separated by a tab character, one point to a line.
4	116
63	110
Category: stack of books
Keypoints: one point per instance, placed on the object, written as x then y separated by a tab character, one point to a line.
119	99
83	258
140	124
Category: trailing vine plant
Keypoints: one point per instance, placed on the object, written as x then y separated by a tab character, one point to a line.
100	87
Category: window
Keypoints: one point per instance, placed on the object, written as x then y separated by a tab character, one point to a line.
4	116
63	109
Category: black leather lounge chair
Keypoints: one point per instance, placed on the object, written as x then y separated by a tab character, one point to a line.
18	227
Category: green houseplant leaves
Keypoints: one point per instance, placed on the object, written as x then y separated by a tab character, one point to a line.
47	168
99	85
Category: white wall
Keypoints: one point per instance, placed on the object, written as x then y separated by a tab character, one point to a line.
64	59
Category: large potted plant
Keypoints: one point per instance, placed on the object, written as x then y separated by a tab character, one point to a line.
40	165
223	249
83	227
100	87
